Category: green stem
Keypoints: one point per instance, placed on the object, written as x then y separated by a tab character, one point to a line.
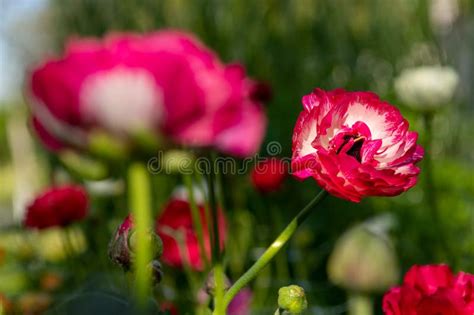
139	203
273	249
360	304
214	224
430	189
197	222
70	253
281	262
220	191
219	308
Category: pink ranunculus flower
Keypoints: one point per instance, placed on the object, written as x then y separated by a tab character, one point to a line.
164	83
429	290
354	145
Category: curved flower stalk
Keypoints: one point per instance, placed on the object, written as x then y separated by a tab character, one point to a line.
426	90
273	249
354	145
132	90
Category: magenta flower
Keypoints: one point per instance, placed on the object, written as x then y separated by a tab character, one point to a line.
240	305
354	145
165	83
431	289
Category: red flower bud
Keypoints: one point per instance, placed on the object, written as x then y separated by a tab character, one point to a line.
121	248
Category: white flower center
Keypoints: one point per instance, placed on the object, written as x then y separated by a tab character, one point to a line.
122	100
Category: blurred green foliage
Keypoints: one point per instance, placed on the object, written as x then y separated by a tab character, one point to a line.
295	46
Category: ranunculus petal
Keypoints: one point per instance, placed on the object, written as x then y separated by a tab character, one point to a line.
429	278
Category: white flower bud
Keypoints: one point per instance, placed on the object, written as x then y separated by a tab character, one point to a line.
426	88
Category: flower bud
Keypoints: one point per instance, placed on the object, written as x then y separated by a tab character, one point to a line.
155	241
363	260
426	88
292	299
121	248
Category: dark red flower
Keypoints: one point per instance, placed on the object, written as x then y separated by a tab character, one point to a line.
431	290
57	206
268	175
176	218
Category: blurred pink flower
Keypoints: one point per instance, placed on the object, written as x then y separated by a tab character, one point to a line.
240	305
269	174
355	145
176	218
167	83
